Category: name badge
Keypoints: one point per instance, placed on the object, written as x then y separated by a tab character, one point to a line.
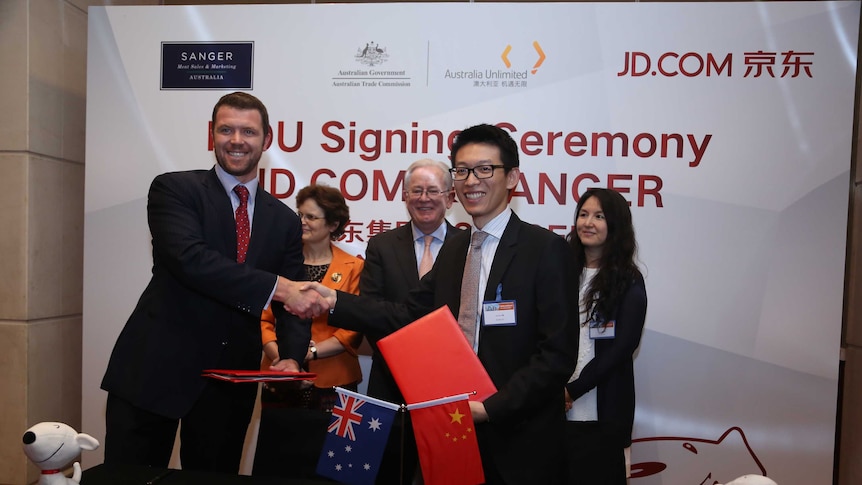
499	313
598	331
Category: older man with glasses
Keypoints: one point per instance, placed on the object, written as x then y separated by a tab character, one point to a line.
394	262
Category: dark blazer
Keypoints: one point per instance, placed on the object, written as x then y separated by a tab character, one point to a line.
612	369
201	309
528	362
389	274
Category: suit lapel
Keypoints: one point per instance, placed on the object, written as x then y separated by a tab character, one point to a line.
450	231
261	225
220	202
450	272
505	252
405	253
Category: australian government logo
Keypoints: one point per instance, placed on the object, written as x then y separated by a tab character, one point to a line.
371	55
373	70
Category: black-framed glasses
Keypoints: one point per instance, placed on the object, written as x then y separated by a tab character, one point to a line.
480	171
431	193
309	217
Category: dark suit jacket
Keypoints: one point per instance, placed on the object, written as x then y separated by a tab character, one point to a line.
201	309
529	362
389	274
612	369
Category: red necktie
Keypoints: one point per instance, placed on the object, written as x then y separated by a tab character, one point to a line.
243	228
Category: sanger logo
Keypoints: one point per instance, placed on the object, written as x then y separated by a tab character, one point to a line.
371	55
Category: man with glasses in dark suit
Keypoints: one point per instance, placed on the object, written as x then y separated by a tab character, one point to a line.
529	353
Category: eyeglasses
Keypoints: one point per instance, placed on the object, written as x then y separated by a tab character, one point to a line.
431	193
309	217
480	171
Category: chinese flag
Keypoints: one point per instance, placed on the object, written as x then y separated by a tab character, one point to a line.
446	440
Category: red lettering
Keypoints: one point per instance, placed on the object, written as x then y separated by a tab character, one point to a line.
636	145
339	142
274	174
389	193
363	183
558	192
712	66
318	173
574	140
557	227
613	178
661	64
531	139
522	181
576	185
297	142
643	190
698	62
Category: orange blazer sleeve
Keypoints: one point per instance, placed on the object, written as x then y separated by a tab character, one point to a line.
343	275
267	326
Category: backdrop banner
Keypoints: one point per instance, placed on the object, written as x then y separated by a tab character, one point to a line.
727	126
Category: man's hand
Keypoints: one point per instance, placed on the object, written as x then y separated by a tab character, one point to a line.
290	365
327	294
477	409
285	365
296	300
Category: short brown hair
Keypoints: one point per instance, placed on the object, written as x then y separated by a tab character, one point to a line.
334	207
241	100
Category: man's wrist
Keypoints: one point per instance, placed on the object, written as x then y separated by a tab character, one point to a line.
334	301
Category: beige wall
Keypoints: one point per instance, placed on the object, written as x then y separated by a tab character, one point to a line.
43	54
42	161
43	77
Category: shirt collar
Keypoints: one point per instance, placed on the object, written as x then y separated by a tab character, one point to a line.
439	233
496	226
228	181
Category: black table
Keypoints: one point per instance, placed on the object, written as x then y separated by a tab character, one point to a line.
141	475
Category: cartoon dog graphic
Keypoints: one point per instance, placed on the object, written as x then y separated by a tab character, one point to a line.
694	461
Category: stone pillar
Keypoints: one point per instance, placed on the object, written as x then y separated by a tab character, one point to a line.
43	75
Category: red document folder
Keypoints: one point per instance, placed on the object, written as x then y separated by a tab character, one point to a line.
257	376
430	359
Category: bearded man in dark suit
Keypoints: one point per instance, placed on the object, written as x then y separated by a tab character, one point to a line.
202	307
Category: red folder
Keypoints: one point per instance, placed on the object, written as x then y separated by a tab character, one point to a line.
257	376
430	359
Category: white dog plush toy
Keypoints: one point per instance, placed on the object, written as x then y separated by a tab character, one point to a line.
52	446
752	480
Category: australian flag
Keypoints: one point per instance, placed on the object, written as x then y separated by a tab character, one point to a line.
357	436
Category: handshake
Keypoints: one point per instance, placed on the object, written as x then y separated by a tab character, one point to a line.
305	299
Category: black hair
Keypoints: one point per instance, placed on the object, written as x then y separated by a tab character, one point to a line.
617	266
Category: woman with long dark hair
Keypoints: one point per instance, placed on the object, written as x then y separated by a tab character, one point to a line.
600	396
